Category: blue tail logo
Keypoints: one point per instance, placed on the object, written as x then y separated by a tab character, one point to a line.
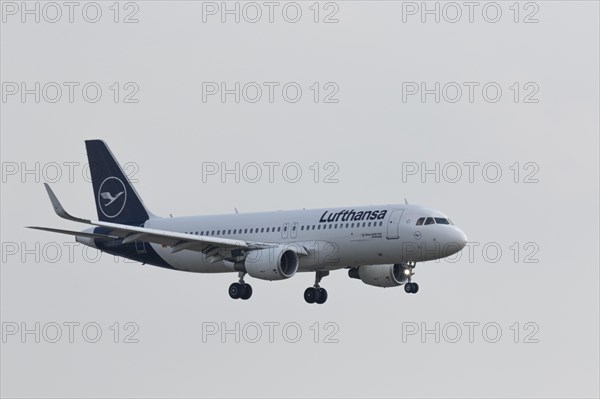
110	198
111	205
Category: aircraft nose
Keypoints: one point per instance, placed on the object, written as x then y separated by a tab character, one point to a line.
457	240
461	238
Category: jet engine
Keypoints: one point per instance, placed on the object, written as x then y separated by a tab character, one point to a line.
381	275
276	263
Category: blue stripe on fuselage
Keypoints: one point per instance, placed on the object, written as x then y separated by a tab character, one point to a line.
137	251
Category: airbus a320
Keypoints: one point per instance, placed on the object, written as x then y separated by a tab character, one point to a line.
379	245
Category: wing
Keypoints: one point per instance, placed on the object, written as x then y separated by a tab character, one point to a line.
219	247
178	241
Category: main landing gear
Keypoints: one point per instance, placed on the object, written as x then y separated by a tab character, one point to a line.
316	294
240	290
409	286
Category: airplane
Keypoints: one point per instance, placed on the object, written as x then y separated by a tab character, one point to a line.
379	245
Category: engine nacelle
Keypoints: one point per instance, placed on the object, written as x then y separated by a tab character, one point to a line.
380	275
277	263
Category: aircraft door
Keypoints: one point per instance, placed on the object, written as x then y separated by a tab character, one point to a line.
284	230
394	224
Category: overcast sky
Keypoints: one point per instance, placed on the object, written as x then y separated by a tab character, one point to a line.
489	115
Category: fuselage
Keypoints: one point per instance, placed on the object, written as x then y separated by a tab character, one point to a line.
333	237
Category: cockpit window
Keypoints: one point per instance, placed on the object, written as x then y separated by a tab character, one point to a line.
420	221
441	221
429	221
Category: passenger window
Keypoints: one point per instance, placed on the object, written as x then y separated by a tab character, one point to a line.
441	221
279	229
212	233
429	221
335	226
294	228
285	228
319	227
302	228
420	221
262	229
245	230
369	224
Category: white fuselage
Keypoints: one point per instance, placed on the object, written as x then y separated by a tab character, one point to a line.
334	237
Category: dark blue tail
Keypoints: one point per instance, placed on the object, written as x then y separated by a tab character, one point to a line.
116	199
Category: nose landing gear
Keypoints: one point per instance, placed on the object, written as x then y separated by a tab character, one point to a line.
316	294
409	286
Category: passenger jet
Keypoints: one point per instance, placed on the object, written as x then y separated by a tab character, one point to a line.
380	245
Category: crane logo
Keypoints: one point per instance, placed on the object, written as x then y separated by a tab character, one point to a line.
112	197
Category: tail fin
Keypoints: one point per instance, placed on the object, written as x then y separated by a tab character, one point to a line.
116	199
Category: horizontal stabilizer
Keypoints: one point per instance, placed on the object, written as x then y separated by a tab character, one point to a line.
76	233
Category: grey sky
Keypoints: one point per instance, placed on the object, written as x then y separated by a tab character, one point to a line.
370	139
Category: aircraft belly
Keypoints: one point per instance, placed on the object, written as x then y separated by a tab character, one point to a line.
191	261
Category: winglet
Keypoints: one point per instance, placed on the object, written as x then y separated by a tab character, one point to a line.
58	208
405	201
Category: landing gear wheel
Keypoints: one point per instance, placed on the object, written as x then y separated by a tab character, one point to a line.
411	288
246	291
310	295
322	296
235	291
415	288
240	290
316	294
